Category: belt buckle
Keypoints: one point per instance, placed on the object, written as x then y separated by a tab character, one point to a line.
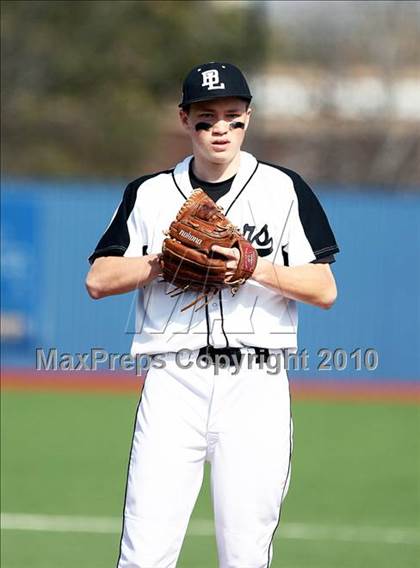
262	354
229	352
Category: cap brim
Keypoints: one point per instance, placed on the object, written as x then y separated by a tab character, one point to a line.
215	96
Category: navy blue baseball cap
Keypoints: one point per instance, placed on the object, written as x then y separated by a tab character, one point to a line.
212	81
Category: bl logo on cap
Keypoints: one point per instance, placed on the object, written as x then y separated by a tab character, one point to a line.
214	80
211	80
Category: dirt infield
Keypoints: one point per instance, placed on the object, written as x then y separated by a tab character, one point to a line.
345	390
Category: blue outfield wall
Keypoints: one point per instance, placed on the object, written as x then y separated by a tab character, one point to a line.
50	228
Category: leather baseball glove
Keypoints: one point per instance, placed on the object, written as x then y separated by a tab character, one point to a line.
187	259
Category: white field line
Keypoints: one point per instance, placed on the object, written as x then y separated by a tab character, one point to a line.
202	527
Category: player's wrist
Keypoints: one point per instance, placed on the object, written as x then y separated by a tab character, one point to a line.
154	264
260	270
269	274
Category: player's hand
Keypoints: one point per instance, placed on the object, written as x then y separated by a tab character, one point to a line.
232	256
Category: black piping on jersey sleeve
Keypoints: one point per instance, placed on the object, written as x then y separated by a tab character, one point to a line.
313	218
116	239
324	260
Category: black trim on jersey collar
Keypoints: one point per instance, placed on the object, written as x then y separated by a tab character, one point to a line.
177	186
230	206
249	179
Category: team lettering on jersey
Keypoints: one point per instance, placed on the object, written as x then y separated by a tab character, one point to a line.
261	240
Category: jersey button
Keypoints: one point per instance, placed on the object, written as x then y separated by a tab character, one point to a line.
214	305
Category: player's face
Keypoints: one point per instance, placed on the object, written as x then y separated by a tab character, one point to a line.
217	128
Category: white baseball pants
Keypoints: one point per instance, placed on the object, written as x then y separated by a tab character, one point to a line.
242	425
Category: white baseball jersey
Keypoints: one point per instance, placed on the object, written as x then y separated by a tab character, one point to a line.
273	208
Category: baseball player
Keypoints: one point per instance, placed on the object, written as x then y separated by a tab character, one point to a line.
216	389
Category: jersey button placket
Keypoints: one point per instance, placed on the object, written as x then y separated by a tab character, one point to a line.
215	324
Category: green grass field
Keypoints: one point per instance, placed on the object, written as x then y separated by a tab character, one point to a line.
354	501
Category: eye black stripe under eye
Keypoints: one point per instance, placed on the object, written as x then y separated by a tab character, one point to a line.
206	125
202	126
237	124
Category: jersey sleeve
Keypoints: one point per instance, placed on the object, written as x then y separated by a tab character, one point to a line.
324	260
310	237
123	236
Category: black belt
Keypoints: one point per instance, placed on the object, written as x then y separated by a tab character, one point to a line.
232	354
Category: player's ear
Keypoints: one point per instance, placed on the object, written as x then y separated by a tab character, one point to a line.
248	115
183	116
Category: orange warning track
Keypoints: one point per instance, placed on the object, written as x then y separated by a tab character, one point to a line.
75	381
343	390
357	391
